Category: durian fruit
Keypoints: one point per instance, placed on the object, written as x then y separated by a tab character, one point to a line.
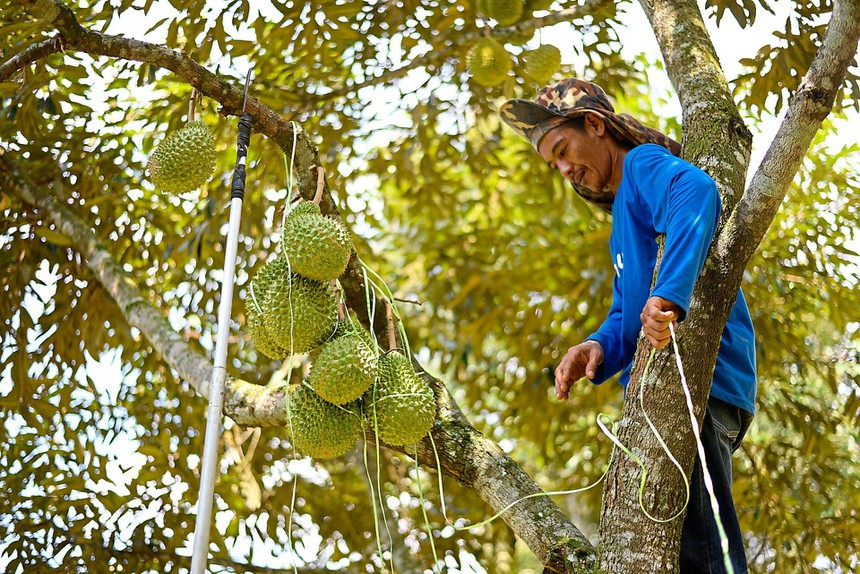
318	246
350	325
505	12
260	337
321	429
298	314
400	404
489	62
543	62
185	159
344	369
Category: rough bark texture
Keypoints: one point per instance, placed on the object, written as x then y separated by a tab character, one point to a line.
465	454
715	140
27	56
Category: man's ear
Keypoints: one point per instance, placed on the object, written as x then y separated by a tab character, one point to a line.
595	123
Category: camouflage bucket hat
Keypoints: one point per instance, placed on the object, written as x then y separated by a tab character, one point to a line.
570	98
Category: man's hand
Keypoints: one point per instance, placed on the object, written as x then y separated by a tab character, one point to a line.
656	316
581	360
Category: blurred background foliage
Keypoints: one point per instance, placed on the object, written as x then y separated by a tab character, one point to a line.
99	440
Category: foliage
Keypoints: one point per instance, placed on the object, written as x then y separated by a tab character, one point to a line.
460	213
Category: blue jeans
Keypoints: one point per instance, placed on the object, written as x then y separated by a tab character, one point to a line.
701	553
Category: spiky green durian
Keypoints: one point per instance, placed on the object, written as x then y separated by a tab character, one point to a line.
543	62
260	336
298	314
318	246
344	369
505	12
351	325
185	159
321	429
400	404
489	62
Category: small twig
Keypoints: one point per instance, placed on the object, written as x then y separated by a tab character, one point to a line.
320	184
392	333
411	301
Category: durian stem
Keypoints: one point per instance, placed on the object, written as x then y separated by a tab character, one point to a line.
192	104
341	313
320	184
392	333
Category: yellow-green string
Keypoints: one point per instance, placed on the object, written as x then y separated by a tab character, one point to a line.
371	313
290	182
424	512
665	448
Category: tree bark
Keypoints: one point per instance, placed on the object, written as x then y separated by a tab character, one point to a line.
27	56
464	454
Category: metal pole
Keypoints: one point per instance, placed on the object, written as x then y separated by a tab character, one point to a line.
200	552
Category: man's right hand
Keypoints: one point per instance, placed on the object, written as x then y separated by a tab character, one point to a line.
580	361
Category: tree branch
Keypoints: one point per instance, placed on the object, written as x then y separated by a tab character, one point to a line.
681	32
29	55
138	310
808	108
228	92
465	454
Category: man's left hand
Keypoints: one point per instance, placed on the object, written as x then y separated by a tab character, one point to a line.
656	316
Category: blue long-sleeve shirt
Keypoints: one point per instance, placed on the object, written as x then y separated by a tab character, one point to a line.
662	194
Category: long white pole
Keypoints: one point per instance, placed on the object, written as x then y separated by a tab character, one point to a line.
209	463
216	400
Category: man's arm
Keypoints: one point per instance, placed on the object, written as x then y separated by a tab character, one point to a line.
684	204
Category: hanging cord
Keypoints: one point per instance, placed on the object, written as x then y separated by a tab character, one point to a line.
612	435
290	182
372	279
709	484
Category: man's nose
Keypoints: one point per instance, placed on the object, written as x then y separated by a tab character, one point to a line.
565	168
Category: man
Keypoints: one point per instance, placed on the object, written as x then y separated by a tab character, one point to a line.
633	172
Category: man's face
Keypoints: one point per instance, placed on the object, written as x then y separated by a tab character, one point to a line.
581	156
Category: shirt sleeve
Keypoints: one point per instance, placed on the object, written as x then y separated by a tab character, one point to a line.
684	205
609	337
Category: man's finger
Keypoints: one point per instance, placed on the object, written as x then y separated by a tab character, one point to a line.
593	363
656	334
658	344
561	391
